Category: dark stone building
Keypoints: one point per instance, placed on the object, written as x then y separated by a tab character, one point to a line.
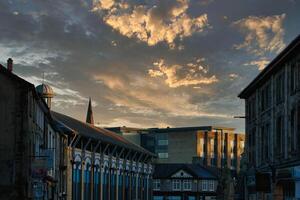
31	147
273	128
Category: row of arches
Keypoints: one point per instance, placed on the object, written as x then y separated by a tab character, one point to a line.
101	182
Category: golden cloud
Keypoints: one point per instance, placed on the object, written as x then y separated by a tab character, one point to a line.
262	34
178	75
158	23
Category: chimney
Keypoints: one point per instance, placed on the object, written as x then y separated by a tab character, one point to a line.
10	64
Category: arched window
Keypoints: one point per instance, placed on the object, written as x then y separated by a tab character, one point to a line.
76	178
133	185
87	179
127	182
105	183
97	180
112	185
120	185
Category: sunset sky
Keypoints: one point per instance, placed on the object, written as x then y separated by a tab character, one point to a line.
147	63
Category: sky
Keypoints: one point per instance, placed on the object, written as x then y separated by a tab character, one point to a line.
146	63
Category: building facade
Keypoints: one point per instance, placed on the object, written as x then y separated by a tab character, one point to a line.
103	165
29	157
207	145
184	182
272	128
48	155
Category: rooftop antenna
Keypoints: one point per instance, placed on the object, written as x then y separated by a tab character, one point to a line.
43	77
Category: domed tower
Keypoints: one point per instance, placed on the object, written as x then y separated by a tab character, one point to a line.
46	92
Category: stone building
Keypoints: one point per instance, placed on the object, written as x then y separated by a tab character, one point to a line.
184	182
30	144
273	128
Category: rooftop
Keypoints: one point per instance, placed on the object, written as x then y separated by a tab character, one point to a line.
70	124
164	171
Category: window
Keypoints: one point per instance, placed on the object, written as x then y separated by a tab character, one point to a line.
265	97
163	142
174	198
232	146
242	145
293	135
163	155
187	184
280	88
251	145
156	184
293	78
251	108
264	149
204	185
201	144
212	147
298	124
176	184
279	135
211	185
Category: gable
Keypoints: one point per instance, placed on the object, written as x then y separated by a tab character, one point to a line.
181	174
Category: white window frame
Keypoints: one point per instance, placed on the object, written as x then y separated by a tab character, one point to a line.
211	185
187	185
204	185
176	185
163	142
156	184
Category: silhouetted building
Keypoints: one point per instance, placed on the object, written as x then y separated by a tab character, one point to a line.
273	128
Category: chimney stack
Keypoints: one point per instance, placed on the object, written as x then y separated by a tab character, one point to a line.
10	64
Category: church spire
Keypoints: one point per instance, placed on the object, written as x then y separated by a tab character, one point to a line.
89	115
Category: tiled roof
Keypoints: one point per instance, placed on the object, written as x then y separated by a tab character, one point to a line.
93	132
164	171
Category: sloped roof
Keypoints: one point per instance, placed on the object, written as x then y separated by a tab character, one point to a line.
93	132
164	171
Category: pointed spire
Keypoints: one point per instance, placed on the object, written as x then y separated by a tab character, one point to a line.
89	115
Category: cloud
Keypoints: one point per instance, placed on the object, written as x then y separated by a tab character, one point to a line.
261	64
233	76
262	34
178	75
151	98
29	57
64	96
164	22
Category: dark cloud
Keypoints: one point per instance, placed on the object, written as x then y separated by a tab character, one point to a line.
81	56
